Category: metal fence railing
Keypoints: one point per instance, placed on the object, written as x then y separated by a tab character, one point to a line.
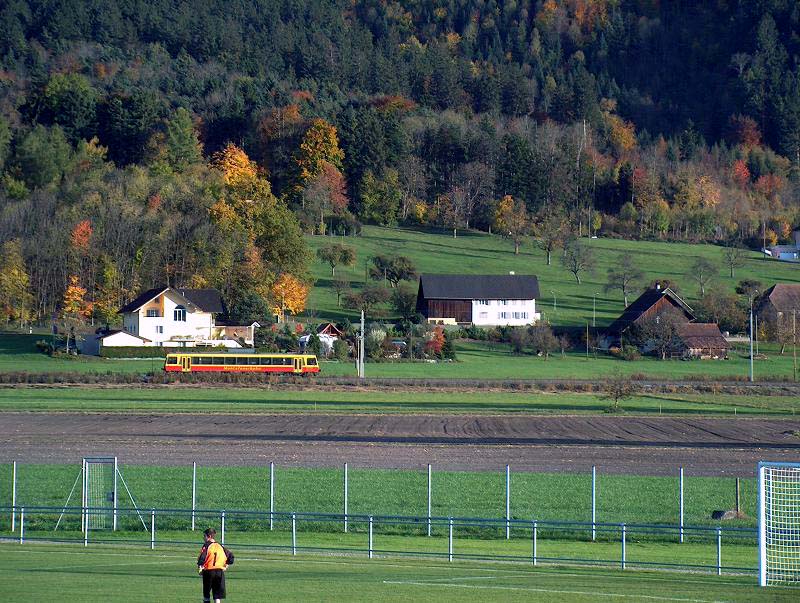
618	545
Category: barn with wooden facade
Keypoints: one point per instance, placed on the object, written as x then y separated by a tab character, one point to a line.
651	303
701	340
479	299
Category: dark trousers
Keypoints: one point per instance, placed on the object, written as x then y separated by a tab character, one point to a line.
213	582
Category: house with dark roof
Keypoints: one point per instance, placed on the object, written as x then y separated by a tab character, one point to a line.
177	317
700	340
778	303
689	340
479	299
649	304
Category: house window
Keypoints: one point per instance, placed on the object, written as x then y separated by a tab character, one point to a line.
179	314
503	302
152	313
160	330
502	315
524	315
483	302
484	315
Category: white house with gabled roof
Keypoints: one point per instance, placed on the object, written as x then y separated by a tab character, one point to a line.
175	317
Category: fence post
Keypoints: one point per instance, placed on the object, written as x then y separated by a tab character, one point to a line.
370	536
345	498
271	493
194	491
719	551
508	502
85	515
22	525
534	542
294	534
623	546
13	495
152	529
594	503
450	541
222	528
430	478
680	480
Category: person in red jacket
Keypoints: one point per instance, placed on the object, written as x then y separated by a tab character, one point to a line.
214	559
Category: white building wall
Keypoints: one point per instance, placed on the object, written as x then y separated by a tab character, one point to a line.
122	339
162	328
510	312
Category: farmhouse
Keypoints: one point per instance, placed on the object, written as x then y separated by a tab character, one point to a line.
787	253
700	340
172	317
479	299
651	303
778	303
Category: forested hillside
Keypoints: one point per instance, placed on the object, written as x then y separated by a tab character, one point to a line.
193	142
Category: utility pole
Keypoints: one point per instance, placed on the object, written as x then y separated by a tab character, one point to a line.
587	341
751	340
361	349
794	344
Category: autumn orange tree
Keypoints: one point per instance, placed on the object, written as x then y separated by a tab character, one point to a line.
289	294
320	145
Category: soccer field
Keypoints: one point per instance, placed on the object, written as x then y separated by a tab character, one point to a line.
112	573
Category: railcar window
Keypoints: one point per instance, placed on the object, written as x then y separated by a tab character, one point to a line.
311	361
172	360
254	361
219	360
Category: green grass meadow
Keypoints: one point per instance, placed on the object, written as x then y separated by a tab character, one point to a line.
42	572
476	360
541	496
480	253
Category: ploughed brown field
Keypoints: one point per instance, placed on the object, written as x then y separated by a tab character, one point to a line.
625	445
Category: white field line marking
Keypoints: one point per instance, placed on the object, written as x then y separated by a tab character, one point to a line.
93	565
550	591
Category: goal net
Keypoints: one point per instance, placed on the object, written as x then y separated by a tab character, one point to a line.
100	493
779	523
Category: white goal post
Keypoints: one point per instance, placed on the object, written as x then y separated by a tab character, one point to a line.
778	523
100	496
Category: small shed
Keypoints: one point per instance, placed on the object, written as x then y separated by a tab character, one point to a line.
328	328
701	340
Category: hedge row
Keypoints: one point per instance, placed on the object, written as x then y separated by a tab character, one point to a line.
344	383
152	351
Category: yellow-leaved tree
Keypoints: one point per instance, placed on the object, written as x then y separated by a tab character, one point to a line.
512	221
16	299
320	144
289	294
235	165
74	305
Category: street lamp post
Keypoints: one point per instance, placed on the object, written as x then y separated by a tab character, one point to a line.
751	297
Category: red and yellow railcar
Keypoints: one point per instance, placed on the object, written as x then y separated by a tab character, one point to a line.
296	364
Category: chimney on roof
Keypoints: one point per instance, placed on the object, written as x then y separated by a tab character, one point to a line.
658	286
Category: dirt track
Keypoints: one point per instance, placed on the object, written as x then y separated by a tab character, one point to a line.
651	445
